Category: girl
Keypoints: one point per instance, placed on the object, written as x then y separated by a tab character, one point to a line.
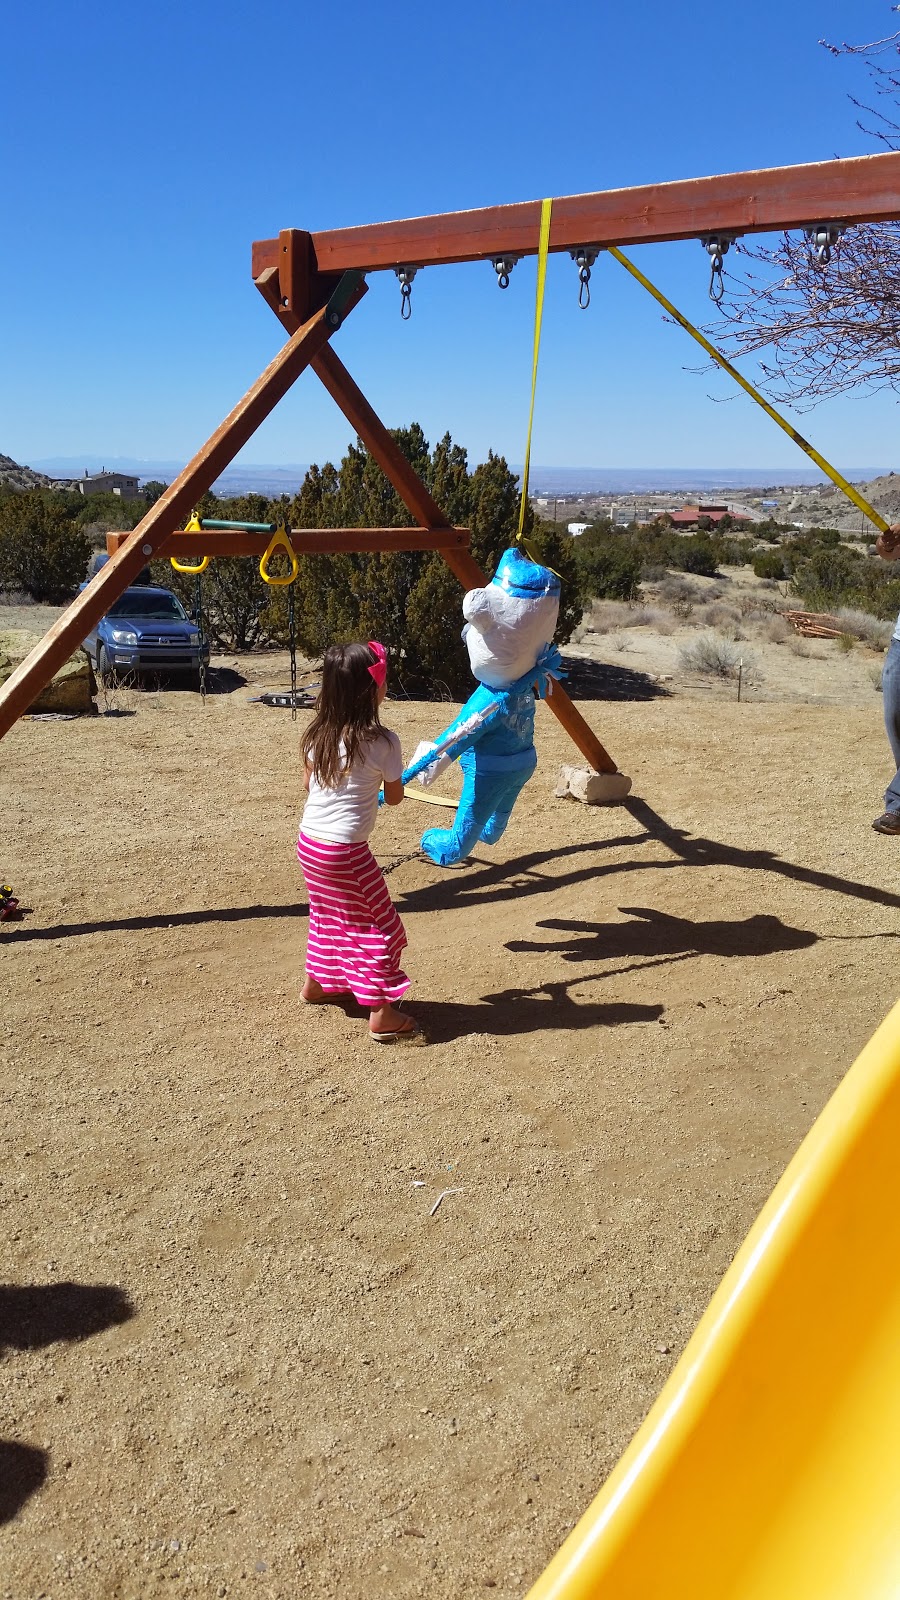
355	934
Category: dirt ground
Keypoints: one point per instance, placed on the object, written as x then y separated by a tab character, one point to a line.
241	1356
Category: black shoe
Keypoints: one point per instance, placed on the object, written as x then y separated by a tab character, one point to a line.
889	822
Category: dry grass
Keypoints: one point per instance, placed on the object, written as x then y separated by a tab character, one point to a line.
712	654
861	625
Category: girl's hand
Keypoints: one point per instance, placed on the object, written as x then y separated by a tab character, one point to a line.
393	792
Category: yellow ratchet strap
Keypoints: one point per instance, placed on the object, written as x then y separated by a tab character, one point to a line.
543	246
191	527
831	472
279	540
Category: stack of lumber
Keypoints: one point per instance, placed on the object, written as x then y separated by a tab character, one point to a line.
814	624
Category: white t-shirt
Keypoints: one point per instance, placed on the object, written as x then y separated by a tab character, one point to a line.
346	814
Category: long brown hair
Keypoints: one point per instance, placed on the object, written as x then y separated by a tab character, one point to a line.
346	713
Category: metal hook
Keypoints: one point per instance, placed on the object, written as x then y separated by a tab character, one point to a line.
503	266
716	246
584	257
823	238
405	277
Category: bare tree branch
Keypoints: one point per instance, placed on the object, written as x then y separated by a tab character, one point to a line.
828	329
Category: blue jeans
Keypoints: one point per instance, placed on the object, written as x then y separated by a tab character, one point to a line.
890	684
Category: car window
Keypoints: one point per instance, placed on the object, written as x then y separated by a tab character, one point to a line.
161	605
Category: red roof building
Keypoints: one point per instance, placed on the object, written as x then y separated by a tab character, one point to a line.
689	516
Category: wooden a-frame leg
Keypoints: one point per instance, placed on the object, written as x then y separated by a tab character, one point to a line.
419	502
170	510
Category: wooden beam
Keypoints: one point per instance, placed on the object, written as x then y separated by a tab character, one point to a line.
305	541
171	509
302	289
857	189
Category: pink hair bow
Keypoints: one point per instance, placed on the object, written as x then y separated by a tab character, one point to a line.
379	670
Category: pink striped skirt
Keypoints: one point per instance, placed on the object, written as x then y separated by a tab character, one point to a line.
355	934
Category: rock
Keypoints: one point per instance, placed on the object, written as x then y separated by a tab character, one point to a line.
592	788
72	688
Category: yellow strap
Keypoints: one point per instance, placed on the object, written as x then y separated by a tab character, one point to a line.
831	472
191	527
546	209
279	540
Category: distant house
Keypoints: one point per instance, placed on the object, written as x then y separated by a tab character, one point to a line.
104	482
576	528
689	516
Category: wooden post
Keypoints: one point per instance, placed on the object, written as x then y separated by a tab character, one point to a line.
170	510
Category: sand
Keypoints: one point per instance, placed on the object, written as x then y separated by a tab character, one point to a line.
281	1375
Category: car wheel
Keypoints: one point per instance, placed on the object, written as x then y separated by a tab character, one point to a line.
105	672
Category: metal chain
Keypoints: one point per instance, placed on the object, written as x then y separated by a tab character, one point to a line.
198	607
398	861
584	287
292	638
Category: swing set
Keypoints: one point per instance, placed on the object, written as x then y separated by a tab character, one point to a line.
313	281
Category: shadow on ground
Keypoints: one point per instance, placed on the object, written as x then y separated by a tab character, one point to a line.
23	1469
598	680
654	933
33	1315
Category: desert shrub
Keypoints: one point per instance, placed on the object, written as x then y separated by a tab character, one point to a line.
770	564
697	555
725	620
778	631
608	566
43	552
827	576
735	552
711	654
862	625
846	642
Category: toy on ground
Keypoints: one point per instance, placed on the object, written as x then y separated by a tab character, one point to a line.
510	624
9	904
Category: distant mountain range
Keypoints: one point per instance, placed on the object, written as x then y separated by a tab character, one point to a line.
259	478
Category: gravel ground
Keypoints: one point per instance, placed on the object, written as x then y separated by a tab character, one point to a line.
241	1356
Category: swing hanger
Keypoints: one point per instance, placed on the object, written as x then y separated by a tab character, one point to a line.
823	237
584	256
405	277
503	266
717	246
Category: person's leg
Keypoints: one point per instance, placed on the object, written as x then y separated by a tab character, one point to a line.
890	683
496	823
446	846
390	1022
314	995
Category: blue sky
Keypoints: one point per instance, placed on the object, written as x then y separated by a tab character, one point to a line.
148	146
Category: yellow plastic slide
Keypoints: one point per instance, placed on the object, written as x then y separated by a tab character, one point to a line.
769	1467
